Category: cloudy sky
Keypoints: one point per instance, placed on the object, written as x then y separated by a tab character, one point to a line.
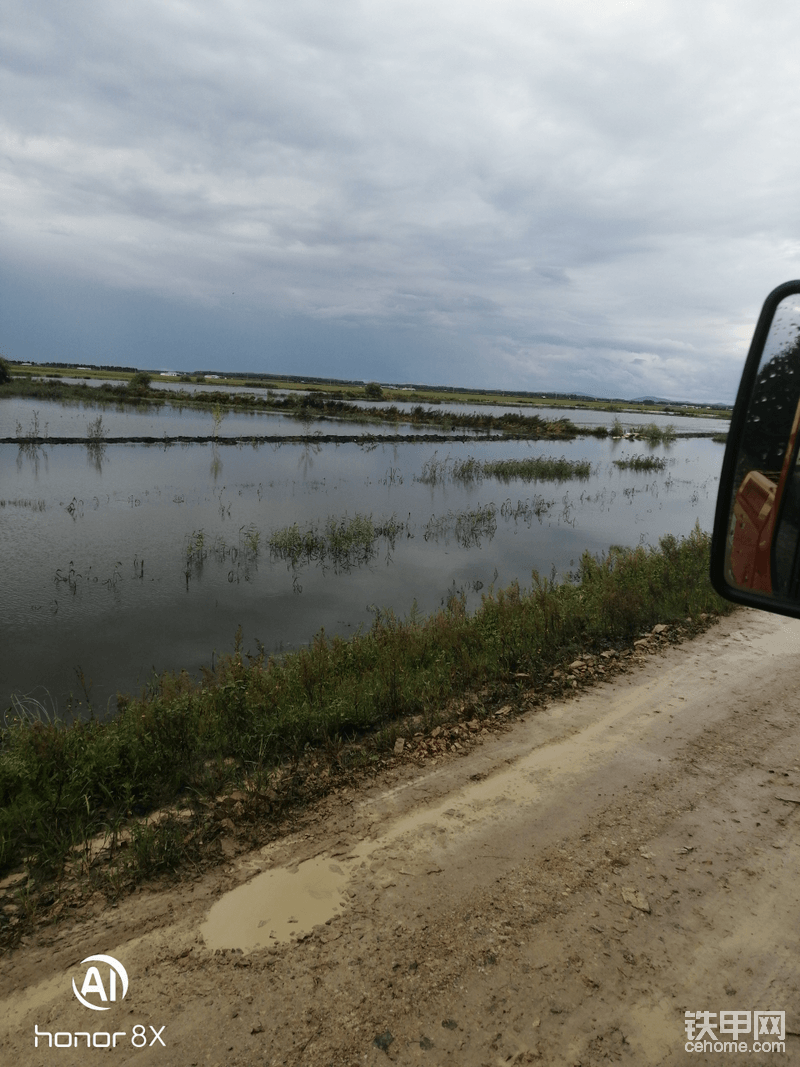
590	195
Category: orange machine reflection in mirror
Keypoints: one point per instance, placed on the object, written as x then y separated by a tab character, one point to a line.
752	527
755	511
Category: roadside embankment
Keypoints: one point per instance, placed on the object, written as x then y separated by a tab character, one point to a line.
77	801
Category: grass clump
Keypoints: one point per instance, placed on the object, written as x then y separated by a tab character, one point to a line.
183	741
538	469
469	526
641	463
655	434
342	542
531	469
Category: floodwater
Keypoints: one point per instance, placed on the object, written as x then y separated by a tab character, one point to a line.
74	419
129	559
64	419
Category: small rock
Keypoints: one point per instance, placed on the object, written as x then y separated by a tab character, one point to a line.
659	629
382	1041
436	732
636	899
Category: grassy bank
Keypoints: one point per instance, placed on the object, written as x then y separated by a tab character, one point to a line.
186	743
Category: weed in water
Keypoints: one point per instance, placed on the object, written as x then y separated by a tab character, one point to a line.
95	431
217	414
531	469
641	463
656	435
469	526
195	548
34	505
340	542
538	469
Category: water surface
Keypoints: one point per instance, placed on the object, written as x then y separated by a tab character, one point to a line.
104	587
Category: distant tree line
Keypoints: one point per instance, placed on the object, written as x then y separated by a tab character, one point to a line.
74	366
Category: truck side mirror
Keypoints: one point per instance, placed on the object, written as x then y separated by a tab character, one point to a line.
755	549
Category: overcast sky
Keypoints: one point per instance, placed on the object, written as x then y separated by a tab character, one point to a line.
590	195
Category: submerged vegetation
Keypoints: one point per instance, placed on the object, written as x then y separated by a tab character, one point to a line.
183	742
312	405
340	542
529	469
468	526
641	463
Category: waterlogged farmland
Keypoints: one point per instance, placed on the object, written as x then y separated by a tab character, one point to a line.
129	559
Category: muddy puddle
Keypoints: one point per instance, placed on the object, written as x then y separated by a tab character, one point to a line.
278	906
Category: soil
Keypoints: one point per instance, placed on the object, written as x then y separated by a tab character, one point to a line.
558	888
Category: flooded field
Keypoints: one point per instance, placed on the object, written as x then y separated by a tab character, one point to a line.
127	559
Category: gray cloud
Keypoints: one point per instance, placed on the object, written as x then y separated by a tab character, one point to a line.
580	193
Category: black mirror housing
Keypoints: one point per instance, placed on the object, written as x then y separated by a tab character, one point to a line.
755	548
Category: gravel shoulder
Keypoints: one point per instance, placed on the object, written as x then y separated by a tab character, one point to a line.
563	892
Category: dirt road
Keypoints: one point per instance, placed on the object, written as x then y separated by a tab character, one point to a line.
563	892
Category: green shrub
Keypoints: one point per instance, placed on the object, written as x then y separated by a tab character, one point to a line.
140	382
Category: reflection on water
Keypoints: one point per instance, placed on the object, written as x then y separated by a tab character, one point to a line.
102	587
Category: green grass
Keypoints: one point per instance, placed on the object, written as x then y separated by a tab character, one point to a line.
342	542
651	432
656	435
468	527
184	741
641	463
531	469
538	469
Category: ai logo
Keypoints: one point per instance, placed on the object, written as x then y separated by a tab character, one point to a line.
93	983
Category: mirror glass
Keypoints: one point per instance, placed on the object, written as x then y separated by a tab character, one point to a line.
761	551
